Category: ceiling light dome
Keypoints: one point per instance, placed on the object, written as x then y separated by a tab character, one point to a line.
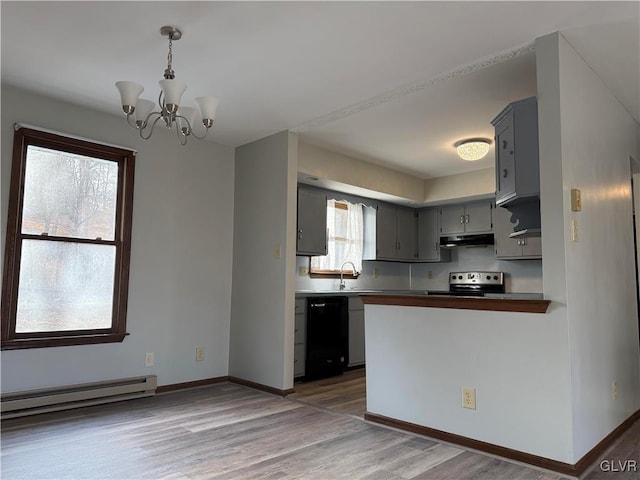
473	148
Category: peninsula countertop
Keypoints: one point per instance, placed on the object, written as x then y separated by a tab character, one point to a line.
504	302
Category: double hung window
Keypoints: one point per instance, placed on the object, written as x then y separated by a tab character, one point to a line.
344	240
68	242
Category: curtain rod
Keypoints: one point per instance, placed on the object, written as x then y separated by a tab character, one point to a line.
18	125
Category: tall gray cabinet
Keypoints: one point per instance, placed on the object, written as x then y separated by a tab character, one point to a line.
312	222
517	165
429	237
396	236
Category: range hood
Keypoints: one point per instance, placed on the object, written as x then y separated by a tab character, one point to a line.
467	240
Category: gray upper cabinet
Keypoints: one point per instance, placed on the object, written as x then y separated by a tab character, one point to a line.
312	222
466	218
513	248
406	233
516	147
396	233
429	237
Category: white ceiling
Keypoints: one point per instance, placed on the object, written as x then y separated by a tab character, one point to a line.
395	83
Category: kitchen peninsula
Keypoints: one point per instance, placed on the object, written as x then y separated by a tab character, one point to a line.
423	350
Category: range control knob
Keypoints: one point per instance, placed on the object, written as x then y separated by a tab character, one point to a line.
459	277
488	277
495	277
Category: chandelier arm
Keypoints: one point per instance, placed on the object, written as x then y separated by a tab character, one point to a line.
200	137
180	134
133	125
151	128
191	129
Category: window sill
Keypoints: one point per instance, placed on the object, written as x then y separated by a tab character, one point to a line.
346	276
62	341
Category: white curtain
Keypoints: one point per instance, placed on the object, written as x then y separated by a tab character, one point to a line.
345	237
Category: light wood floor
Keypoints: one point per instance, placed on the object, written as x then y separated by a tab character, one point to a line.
227	431
343	394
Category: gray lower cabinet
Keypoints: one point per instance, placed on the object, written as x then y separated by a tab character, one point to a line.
396	236
356	332
429	237
300	337
466	218
513	248
312	222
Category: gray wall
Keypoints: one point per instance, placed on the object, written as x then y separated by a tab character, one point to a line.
180	288
587	139
264	261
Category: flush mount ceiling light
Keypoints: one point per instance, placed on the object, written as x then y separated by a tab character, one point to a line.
170	111
473	148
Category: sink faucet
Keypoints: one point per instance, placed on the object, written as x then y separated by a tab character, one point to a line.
355	273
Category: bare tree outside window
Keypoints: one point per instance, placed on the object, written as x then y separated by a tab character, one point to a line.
68	242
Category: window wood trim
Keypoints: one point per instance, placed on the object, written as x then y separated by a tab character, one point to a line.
23	137
347	275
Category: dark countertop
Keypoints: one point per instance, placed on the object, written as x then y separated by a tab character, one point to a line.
503	303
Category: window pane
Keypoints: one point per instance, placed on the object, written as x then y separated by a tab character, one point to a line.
65	286
69	195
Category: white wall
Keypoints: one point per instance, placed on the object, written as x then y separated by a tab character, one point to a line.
466	186
179	289
324	164
262	314
597	138
521	276
419	359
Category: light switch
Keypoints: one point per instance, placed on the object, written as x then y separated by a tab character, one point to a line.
576	202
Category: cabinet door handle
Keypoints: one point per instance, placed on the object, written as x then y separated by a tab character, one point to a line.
505	173
466	219
435	246
461	218
504	144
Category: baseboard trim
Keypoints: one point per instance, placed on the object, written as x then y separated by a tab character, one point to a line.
576	469
260	386
197	383
592	455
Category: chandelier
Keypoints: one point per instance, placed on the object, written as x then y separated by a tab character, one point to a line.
140	114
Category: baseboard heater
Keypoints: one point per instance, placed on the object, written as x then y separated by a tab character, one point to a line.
32	402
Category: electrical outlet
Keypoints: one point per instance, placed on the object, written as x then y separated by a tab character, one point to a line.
303	271
277	251
469	398
375	273
199	354
574	231
430	274
614	390
148	359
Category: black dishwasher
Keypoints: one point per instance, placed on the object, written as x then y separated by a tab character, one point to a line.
327	337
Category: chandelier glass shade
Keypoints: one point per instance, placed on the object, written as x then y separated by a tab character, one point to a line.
142	116
473	148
